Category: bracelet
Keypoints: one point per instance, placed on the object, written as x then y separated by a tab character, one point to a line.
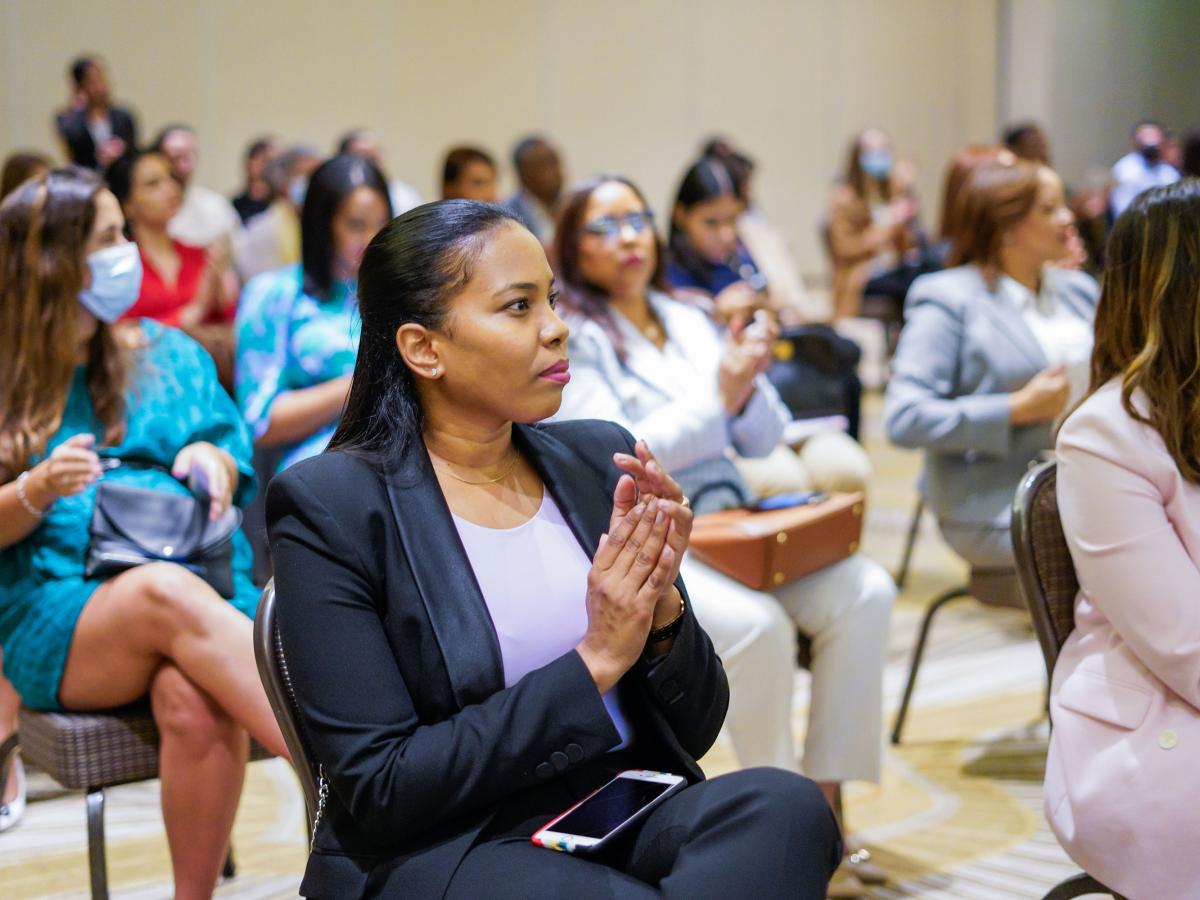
25	504
668	630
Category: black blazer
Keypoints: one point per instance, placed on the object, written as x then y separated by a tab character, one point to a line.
398	674
81	148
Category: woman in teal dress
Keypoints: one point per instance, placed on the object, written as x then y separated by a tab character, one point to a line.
77	393
297	328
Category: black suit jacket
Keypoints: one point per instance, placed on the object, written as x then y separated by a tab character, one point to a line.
81	148
398	674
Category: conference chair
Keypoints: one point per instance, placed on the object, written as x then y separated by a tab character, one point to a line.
1049	585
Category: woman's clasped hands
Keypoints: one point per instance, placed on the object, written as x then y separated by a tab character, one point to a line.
631	585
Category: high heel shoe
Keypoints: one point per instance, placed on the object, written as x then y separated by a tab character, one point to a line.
11	811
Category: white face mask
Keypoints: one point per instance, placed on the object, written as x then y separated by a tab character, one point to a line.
116	281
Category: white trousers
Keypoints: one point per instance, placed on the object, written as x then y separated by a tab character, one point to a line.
845	610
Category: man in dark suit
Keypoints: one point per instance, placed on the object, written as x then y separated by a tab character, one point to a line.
93	131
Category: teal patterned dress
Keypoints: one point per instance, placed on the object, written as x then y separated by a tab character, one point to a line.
288	340
174	400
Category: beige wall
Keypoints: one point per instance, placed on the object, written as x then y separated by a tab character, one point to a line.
629	85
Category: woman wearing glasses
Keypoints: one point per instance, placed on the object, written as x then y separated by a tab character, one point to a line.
661	369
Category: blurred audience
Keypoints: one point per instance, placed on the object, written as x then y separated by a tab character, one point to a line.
1141	168
540	177
872	229
256	195
1027	141
19	167
78	640
661	369
272	239
469	174
365	143
298	327
1190	165
204	216
992	352
94	132
182	285
1126	685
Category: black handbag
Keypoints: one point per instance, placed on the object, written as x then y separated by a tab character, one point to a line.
132	526
814	374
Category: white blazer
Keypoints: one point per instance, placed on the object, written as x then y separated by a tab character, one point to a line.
668	397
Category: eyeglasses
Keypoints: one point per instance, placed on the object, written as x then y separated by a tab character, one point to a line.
609	227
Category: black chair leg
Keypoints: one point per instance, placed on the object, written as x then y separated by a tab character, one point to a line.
918	652
97	864
229	870
1078	886
914	529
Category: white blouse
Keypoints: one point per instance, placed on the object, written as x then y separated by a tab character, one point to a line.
1065	338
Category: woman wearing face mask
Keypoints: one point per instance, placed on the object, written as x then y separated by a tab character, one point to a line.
872	225
297	328
705	257
660	368
482	615
182	286
77	389
991	354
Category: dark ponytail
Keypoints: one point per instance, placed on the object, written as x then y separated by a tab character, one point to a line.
409	273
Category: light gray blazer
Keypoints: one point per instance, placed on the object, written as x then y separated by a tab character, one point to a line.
963	350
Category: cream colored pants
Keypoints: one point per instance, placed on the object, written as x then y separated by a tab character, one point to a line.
831	461
844	609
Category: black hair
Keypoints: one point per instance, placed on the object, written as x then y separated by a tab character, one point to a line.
80	66
348	138
332	182
119	174
706	179
410	272
1014	134
461	157
1190	167
257	146
157	143
524	146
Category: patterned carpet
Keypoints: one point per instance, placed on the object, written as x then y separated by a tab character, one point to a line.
958	814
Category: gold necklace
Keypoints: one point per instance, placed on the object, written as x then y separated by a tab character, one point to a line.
512	465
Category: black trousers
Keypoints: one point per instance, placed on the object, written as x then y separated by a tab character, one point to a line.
758	833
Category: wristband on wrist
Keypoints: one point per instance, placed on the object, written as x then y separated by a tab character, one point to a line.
25	504
668	630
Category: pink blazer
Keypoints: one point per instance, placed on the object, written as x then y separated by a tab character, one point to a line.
1123	774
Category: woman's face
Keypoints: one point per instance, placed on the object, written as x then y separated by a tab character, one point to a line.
710	227
1042	235
153	195
108	230
358	219
476	181
617	252
503	349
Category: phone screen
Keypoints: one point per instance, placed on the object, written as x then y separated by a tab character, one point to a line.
605	810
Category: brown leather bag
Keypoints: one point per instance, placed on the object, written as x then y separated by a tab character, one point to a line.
764	550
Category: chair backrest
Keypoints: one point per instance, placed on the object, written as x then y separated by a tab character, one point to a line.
1044	567
273	670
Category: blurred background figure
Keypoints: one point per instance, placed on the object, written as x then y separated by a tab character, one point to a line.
365	143
256	194
1190	165
19	167
873	235
1027	141
469	173
183	285
1141	168
540	176
204	216
272	239
94	132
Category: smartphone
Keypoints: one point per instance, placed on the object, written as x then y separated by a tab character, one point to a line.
795	498
607	811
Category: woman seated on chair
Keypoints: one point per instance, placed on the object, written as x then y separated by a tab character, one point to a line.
509	598
77	394
1121	777
991	352
705	259
661	369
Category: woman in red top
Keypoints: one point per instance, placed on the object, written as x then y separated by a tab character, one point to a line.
182	286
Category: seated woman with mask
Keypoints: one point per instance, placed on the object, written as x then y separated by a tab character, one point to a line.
990	355
510	597
660	368
76	388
